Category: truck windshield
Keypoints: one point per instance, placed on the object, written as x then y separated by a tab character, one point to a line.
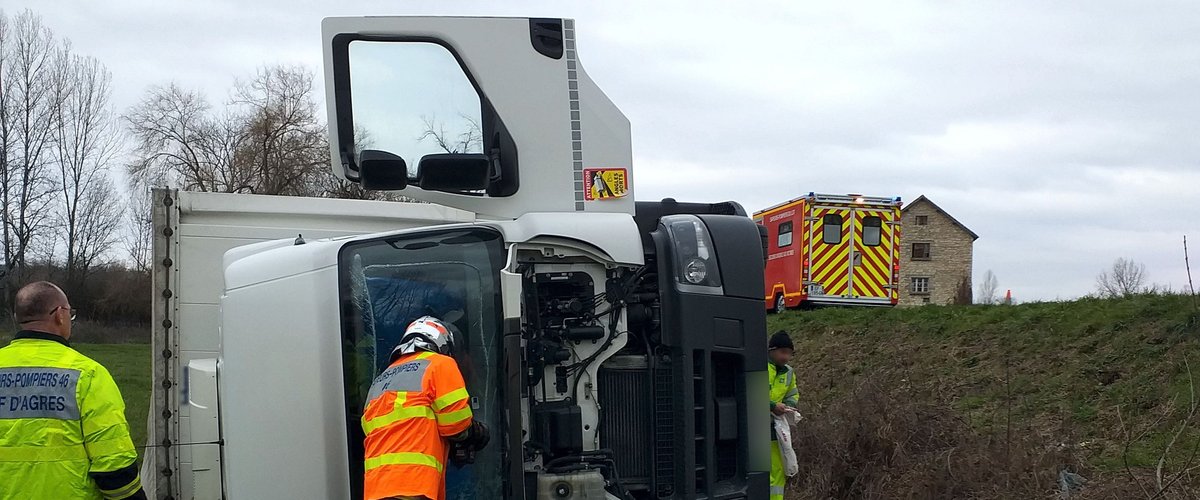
449	274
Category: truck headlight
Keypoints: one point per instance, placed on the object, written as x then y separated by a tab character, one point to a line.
695	257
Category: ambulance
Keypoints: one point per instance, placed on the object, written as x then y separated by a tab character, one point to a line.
827	249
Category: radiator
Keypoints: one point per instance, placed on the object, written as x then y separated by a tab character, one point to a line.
627	419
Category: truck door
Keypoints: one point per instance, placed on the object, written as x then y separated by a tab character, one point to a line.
830	248
495	116
871	258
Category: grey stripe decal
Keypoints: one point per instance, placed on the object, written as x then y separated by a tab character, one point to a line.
38	392
404	377
573	102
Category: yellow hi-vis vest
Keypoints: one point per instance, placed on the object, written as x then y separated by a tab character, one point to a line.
63	433
783	386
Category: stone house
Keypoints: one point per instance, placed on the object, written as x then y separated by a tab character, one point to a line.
935	256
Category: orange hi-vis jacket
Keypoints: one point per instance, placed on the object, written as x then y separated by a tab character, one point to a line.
413	407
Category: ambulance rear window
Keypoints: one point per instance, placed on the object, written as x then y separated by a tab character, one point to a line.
785	235
832	232
872	227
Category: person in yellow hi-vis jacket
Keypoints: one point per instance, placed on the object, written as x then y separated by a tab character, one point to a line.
63	433
783	395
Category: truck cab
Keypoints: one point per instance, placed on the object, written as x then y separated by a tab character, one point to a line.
616	349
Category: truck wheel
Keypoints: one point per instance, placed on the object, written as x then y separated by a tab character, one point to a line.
780	304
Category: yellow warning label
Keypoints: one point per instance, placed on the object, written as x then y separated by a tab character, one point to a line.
605	183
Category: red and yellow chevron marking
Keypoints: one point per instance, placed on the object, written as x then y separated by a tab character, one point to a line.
896	228
872	275
831	263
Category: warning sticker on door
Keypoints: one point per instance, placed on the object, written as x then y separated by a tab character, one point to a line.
605	183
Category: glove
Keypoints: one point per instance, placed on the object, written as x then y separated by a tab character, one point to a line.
464	449
480	435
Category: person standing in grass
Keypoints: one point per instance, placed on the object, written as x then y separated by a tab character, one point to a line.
784	395
63	432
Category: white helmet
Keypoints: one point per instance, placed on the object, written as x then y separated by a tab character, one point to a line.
427	333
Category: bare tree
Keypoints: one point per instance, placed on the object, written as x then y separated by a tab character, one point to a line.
269	139
467	141
97	229
988	289
32	81
286	145
86	144
138	226
179	143
7	132
1125	278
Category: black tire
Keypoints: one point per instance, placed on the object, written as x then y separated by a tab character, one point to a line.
780	305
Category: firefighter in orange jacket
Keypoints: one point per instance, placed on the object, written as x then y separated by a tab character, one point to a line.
418	413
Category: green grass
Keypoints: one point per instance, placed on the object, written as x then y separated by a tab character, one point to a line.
1071	371
129	365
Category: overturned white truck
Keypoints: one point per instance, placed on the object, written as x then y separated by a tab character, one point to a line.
616	349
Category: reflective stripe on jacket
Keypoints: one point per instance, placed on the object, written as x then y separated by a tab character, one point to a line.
63	432
413	407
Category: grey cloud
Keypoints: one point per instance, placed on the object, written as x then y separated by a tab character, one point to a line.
1063	133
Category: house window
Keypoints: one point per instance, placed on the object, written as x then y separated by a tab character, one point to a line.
785	235
920	285
922	251
924	300
832	230
872	227
922	220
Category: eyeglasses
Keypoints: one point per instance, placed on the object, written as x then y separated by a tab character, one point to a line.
74	312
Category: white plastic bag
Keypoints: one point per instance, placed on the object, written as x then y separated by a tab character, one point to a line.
783	430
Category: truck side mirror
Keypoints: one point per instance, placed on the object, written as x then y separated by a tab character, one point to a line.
453	172
382	170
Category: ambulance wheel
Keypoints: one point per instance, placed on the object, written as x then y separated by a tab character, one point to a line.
780	304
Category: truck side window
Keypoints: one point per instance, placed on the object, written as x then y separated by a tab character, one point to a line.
388	282
430	107
872	229
832	232
785	235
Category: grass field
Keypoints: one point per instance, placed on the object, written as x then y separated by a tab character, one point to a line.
1100	385
129	365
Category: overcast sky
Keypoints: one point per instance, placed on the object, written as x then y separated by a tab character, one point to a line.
1064	133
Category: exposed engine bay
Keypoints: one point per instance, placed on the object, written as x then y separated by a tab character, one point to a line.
587	329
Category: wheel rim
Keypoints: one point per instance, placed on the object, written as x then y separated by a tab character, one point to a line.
780	305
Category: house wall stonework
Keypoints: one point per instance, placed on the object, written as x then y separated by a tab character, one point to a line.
950	259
